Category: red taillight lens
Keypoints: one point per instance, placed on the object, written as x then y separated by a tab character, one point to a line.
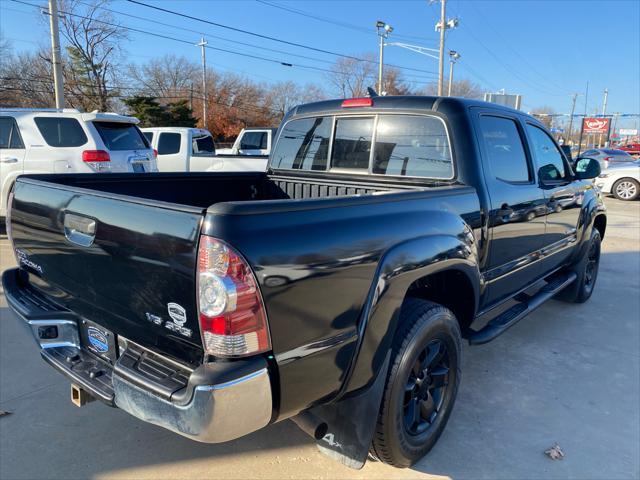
155	153
233	320
95	156
608	159
357	102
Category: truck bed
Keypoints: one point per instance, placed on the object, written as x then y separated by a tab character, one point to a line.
202	190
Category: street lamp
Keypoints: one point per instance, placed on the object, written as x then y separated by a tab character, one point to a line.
453	57
384	29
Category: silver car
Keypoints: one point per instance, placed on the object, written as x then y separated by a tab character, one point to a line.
622	180
607	156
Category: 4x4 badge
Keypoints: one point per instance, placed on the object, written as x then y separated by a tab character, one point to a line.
177	313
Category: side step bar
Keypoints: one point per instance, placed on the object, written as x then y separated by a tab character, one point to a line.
500	324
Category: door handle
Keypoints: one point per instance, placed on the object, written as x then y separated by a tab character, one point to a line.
9	160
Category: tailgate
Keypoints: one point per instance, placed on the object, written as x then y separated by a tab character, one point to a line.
124	263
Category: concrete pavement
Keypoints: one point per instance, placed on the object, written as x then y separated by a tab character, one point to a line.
568	374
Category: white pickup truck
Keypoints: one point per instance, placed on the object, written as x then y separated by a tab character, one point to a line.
182	149
251	141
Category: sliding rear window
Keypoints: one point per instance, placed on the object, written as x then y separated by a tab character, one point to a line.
121	136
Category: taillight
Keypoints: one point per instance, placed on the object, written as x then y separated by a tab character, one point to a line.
155	153
357	102
233	320
99	160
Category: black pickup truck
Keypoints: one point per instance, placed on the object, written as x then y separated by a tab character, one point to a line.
334	289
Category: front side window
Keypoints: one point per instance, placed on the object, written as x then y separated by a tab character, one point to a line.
352	143
9	134
61	132
547	156
121	136
254	141
203	146
168	143
303	144
504	149
415	146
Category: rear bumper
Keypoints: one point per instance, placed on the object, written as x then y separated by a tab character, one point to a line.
214	403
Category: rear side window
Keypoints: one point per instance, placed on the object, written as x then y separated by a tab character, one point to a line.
121	136
547	156
352	143
9	134
148	136
168	143
303	144
415	146
203	146
61	132
504	148
254	141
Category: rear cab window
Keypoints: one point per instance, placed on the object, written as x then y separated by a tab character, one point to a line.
254	141
382	144
203	146
9	134
169	143
121	136
61	132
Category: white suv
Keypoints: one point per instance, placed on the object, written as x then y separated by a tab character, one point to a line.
68	141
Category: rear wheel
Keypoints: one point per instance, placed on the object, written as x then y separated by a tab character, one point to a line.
422	383
626	189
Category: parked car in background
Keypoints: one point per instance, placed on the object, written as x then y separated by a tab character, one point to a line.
630	148
68	141
251	141
621	180
335	289
182	149
607	156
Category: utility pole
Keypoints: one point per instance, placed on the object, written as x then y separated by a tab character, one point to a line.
586	99
604	111
573	109
443	19
58	83
384	29
203	45
443	25
453	57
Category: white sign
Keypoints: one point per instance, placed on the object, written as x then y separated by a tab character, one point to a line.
628	131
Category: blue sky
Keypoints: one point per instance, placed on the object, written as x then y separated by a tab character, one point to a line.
544	50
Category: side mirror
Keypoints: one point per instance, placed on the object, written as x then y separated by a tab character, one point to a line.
587	168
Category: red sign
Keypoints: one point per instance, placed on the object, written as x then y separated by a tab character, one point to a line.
595	125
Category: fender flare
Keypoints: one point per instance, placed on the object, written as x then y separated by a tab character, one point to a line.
400	266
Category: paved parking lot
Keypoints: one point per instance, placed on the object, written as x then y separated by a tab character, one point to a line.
568	374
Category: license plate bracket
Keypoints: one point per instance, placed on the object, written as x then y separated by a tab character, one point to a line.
98	340
138	167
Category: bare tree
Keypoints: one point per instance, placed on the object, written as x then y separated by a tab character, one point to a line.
93	36
169	77
350	77
460	88
283	96
26	80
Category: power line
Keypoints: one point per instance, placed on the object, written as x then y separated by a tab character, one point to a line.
267	37
350	26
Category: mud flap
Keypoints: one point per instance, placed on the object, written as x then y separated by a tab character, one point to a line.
351	423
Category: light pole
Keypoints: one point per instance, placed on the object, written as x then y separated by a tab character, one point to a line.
58	83
384	29
453	57
203	44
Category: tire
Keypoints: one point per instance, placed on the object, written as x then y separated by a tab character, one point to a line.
626	189
427	331
587	270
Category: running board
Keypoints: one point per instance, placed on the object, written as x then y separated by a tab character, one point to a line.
527	304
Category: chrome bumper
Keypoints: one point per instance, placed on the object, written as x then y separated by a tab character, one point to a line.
222	408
